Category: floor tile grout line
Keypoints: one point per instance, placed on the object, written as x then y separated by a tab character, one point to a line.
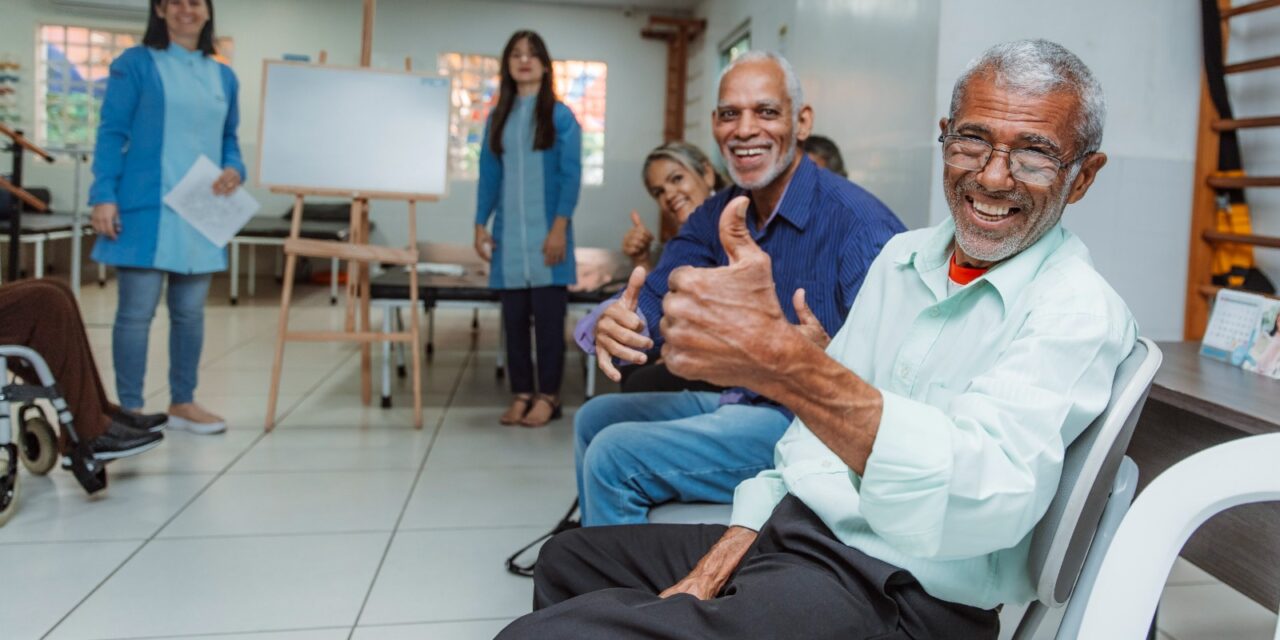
223	634
373	581
181	510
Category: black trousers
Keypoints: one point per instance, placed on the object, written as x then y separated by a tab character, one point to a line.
797	581
546	307
655	376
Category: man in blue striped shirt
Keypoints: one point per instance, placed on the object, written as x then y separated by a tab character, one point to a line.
822	232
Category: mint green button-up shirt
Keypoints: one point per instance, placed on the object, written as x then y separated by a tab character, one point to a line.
983	389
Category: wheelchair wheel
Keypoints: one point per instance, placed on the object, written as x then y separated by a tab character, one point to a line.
39	444
8	483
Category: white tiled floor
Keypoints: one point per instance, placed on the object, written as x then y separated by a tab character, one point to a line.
343	523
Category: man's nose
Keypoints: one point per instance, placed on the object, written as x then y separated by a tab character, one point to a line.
747	126
997	175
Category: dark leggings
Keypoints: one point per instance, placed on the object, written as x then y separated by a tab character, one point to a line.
547	307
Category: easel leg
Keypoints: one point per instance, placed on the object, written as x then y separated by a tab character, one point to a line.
286	297
353	236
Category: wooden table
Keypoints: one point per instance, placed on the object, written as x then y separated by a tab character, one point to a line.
1196	403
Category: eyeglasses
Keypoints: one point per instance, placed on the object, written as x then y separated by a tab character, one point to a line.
1025	165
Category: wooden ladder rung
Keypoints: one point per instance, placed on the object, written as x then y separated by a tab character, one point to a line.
1239	238
1252	65
1249	8
353	252
1240	182
1246	123
344	336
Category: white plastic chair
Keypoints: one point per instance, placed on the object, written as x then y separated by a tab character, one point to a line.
1137	564
1096	488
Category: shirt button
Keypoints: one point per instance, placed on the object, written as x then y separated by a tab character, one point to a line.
934	312
904	371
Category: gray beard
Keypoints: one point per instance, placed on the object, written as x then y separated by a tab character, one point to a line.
1007	246
769	176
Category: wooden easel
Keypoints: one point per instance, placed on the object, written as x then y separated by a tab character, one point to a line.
358	253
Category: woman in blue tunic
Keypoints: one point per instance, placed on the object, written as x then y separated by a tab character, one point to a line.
530	175
168	102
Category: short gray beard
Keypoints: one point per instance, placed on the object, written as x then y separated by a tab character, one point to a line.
769	176
1008	246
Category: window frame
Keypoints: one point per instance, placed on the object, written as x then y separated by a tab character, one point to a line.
97	56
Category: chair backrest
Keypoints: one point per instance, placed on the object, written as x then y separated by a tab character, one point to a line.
1060	542
1136	565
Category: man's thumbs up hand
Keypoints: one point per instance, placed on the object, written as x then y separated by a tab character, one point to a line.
719	323
735	237
809	325
618	331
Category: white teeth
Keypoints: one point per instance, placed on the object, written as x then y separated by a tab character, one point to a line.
743	153
991	210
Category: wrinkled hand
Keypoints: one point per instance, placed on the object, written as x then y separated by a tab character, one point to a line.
809	325
724	325
226	183
553	247
618	330
484	243
700	587
638	239
105	220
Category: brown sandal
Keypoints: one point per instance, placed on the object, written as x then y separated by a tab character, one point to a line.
520	404
548	400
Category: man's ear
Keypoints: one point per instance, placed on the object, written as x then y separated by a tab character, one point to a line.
942	126
805	123
1089	169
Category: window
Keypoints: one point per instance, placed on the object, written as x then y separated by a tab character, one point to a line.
72	67
738	43
579	84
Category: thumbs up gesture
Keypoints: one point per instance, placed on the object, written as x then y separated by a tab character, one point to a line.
809	325
618	331
638	240
723	324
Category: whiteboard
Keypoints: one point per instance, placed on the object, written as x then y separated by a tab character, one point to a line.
353	131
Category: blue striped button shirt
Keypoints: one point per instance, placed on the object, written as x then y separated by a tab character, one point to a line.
823	237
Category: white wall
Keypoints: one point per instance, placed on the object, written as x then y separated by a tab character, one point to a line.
421	29
1257	93
1146	54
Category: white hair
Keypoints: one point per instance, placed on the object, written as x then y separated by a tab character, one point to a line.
795	93
1041	67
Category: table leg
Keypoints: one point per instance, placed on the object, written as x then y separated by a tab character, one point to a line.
39	251
387	310
235	271
102	275
333	281
253	268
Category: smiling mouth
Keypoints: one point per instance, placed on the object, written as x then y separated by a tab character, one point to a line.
749	152
991	212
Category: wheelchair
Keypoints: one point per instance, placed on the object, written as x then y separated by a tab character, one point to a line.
36	442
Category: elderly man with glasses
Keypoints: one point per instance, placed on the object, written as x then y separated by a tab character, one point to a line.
929	436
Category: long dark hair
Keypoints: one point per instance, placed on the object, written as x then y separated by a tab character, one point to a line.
157	35
545	134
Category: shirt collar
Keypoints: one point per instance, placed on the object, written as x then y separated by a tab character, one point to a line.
1008	277
176	49
797	196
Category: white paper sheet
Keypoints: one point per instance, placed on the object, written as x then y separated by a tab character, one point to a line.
217	218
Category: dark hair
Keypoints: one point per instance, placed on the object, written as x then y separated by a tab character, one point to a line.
824	148
545	134
157	35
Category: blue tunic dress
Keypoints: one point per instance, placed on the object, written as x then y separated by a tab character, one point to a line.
163	110
525	190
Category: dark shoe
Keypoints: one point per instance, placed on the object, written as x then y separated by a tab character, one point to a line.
122	440
149	422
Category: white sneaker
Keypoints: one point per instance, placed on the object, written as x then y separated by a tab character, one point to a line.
201	428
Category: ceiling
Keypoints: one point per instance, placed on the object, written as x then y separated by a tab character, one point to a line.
672	6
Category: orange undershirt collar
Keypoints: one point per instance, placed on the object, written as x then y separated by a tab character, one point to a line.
961	274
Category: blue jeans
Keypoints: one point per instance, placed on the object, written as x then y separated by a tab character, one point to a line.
139	295
637	450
